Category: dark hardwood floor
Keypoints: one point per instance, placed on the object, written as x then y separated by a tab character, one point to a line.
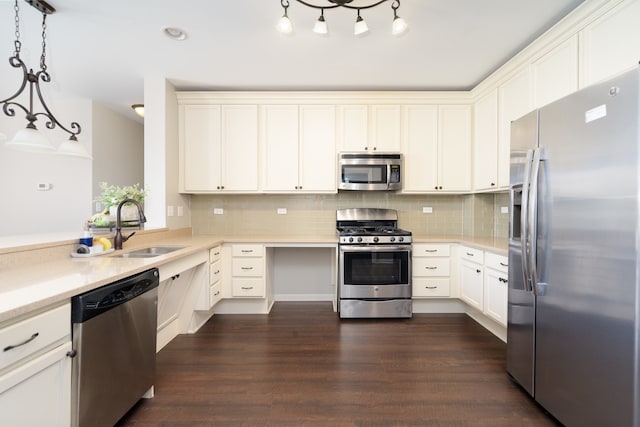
303	366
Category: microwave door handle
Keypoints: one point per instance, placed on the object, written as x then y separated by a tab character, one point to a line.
524	217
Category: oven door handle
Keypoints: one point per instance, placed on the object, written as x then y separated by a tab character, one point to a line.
376	248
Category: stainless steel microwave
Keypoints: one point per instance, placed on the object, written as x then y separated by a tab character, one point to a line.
362	171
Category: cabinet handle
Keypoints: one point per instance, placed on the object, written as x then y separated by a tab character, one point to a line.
246	288
431	287
216	272
216	253
246	251
493	184
469	254
431	268
504	265
503	280
216	294
246	268
72	353
478	271
27	341
431	250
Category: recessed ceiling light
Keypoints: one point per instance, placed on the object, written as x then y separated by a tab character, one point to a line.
174	33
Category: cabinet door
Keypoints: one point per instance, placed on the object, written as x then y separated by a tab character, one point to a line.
420	148
471	289
239	148
611	44
38	393
317	148
280	147
353	128
495	297
514	101
556	74
485	145
385	128
200	144
454	148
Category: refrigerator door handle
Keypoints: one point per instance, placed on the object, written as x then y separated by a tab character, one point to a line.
532	220
524	222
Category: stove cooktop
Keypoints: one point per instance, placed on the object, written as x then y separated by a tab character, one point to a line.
370	226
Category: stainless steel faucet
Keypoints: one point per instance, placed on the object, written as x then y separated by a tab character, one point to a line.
119	239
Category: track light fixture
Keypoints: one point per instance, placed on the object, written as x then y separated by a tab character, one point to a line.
398	26
29	138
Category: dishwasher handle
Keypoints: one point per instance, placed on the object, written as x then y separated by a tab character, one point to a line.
90	304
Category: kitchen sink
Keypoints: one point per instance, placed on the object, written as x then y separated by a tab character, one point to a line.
149	252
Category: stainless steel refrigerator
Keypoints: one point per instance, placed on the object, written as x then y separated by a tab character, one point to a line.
574	255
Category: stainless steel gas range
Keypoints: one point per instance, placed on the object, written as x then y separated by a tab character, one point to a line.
374	264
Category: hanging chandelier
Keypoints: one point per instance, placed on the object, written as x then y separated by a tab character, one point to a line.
29	138
398	26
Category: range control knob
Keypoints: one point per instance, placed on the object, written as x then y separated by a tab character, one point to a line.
359	239
375	239
392	239
350	239
401	239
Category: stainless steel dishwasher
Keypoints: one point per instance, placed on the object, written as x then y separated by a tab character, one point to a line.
114	333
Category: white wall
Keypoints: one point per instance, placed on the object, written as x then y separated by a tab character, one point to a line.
161	156
118	150
67	205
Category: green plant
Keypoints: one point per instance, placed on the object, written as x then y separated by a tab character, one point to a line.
112	195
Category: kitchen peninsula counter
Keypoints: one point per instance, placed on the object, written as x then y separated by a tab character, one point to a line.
31	280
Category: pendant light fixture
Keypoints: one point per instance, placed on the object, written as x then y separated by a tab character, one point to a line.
30	138
399	25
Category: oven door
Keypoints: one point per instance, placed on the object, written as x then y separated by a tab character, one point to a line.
382	271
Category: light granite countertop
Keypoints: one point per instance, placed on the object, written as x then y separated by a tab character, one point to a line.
34	284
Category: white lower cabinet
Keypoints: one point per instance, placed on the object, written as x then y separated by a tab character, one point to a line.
431	270
212	292
471	277
483	277
35	370
496	289
248	271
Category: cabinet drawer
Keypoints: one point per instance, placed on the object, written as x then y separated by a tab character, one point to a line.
424	287
247	250
472	254
215	272
253	267
242	287
34	334
215	253
430	249
497	262
431	267
215	294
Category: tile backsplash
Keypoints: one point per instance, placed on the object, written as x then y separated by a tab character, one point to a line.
472	215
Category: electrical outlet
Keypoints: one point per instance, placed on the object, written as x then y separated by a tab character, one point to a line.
169	210
180	211
282	211
504	209
427	209
218	211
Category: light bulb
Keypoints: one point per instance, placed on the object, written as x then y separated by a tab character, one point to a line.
399	26
284	25
360	27
320	26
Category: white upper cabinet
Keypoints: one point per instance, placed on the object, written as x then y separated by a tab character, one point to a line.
299	148
437	148
218	148
485	147
420	148
514	101
555	74
199	150
454	148
368	128
611	44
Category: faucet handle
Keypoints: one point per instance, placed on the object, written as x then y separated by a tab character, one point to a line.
124	239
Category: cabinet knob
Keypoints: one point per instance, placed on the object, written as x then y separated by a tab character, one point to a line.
478	271
493	184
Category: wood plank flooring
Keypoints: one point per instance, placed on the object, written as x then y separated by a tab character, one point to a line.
303	366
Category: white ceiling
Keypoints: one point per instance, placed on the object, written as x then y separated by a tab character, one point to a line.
103	49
